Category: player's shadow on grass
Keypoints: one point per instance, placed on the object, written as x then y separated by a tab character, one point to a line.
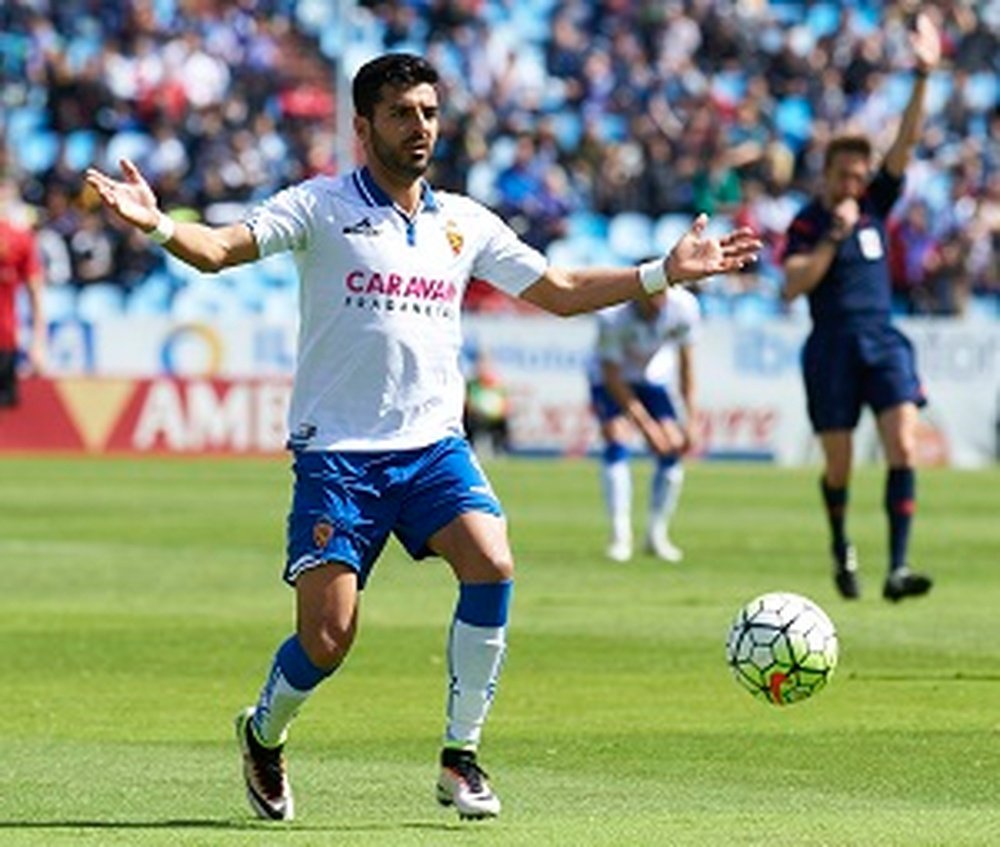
234	825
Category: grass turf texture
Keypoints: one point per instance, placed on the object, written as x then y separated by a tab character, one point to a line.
140	604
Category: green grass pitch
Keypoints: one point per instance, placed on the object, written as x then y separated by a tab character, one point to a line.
140	603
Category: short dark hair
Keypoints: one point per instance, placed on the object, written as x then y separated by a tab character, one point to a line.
855	145
402	70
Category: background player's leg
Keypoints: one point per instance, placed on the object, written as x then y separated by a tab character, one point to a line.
665	493
616	486
897	429
835	488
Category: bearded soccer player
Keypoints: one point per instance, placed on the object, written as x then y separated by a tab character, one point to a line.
836	254
376	410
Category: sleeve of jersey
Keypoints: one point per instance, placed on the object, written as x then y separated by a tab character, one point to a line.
692	321
609	347
802	236
884	191
504	260
283	222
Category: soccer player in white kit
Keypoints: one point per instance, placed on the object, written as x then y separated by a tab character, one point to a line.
642	374
375	419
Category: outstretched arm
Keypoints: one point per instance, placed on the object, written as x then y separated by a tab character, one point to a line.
206	248
695	256
926	44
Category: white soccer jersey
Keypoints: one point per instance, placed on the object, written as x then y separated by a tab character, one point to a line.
646	350
380	306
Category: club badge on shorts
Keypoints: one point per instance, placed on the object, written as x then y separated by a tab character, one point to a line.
322	532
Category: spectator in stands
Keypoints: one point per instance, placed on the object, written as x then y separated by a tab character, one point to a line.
146	79
20	266
913	255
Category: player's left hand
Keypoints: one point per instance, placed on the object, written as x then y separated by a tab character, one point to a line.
697	255
36	357
925	42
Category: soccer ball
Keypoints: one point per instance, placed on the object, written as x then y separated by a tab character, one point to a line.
782	648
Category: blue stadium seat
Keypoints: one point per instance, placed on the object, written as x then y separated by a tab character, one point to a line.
22	122
669	228
280	306
630	235
81	149
152	296
100	301
206	299
587	223
59	303
127	144
714	304
982	91
581	251
753	307
480	181
568	127
793	119
38	151
822	19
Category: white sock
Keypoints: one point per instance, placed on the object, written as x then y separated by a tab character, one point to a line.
475	657
663	498
278	704
616	483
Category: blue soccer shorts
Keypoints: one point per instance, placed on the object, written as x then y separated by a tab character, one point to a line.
655	398
345	504
869	366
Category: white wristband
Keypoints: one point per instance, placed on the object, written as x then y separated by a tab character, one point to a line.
653	276
164	229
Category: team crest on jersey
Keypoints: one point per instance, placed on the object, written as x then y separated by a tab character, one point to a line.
322	532
454	236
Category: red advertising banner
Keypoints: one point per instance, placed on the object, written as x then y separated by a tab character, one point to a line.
225	416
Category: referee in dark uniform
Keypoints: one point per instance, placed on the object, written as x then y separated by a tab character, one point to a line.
836	254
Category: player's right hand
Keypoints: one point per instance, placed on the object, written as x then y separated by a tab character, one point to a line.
131	199
845	215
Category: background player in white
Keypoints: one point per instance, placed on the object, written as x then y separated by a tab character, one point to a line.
643	365
376	408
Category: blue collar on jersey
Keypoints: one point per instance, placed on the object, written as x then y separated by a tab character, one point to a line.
373	195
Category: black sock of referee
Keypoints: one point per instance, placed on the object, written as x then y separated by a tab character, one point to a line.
900	502
835	500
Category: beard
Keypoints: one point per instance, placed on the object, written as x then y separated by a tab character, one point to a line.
398	161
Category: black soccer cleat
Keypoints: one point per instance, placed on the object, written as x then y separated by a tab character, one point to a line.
268	791
845	572
464	785
905	583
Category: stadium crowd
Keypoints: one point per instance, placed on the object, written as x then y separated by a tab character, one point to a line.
597	128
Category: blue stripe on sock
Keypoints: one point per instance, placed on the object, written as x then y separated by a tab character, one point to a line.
614	451
665	463
296	666
484	604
